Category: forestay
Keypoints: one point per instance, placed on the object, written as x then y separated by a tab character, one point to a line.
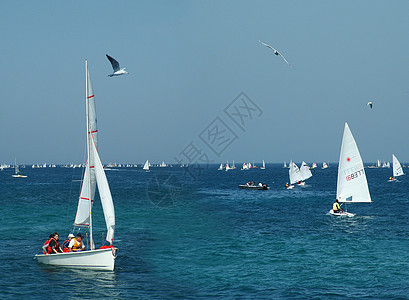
352	185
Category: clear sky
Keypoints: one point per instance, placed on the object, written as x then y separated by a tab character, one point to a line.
188	60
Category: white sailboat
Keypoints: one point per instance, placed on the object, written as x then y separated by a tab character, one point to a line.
94	175
233	166
220	167
397	169
285	165
163	165
294	173
227	166
16	171
263	167
305	171
324	165
146	166
352	186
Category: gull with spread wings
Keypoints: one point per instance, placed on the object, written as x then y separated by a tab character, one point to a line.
115	65
275	52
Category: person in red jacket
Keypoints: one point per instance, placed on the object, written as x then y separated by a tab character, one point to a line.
53	245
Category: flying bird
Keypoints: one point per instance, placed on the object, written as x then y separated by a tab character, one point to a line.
275	52
369	104
115	65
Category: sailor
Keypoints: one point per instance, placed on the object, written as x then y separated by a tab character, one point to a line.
76	243
260	184
336	208
45	246
67	242
286	185
390	178
53	245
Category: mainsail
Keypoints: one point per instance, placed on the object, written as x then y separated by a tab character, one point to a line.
305	171
87	194
294	173
94	174
352	185
397	168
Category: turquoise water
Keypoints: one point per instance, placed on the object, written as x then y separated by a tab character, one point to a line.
205	238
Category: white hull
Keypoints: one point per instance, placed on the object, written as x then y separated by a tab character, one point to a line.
302	183
99	259
290	187
341	214
19	176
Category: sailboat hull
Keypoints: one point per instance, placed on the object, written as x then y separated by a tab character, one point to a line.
341	214
99	259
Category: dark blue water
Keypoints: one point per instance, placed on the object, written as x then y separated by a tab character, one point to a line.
205	238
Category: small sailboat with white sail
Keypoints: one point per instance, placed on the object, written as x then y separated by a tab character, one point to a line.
227	166
146	166
352	186
285	165
294	174
220	167
324	165
16	171
397	169
233	166
94	175
263	167
305	172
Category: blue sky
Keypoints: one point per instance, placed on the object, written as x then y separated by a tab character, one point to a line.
187	61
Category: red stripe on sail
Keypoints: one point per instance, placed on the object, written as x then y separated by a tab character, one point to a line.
91	96
93	131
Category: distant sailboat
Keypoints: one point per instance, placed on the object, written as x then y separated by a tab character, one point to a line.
245	167
233	166
352	186
146	166
285	165
220	167
16	171
227	166
263	167
397	169
163	165
324	165
313	166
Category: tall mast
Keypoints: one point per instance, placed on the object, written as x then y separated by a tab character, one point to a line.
91	241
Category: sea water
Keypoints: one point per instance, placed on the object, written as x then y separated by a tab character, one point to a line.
198	236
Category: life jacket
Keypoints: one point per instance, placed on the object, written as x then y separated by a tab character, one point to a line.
65	246
57	246
76	245
335	206
45	246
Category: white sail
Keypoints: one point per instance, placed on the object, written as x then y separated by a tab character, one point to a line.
105	196
146	165
294	172
378	163
264	165
87	193
397	168
352	185
305	171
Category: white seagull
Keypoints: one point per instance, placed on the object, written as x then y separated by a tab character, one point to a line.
115	65
369	104
276	52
